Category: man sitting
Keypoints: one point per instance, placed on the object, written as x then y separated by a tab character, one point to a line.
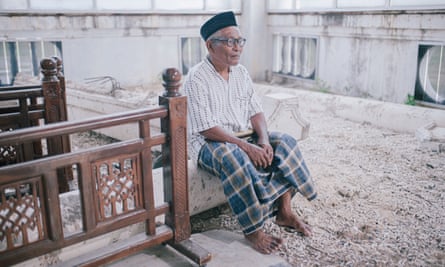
259	177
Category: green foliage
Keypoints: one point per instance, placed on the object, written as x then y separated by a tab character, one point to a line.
410	100
322	86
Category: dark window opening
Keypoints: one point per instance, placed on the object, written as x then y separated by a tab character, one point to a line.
430	84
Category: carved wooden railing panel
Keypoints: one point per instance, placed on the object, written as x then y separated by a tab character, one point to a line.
8	155
119	186
21	214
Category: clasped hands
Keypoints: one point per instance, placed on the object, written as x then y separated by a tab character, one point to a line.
261	155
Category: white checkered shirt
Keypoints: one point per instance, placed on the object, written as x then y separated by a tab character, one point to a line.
213	101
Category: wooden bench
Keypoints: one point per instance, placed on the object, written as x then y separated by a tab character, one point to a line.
115	186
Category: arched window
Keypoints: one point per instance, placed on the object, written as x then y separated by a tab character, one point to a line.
430	81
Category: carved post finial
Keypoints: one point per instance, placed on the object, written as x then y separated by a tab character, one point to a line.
49	69
171	78
59	66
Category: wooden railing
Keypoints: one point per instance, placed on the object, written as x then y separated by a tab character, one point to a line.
29	106
115	187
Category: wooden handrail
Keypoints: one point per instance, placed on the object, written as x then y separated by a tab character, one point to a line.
19	87
20	93
70	127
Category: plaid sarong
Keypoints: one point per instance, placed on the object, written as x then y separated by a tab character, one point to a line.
252	192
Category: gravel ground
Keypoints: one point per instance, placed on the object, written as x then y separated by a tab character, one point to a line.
381	199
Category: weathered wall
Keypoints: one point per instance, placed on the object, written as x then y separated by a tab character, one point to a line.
133	48
366	54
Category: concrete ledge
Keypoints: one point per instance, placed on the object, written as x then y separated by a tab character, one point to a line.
397	117
205	190
81	105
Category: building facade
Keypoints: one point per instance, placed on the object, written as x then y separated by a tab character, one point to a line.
388	50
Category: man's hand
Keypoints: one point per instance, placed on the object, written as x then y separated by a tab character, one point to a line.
261	155
262	158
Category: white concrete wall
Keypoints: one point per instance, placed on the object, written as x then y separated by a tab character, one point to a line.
133	48
254	27
369	54
132	61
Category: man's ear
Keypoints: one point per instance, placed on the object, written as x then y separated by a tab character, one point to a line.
209	45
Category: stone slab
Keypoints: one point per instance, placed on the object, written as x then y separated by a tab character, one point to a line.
283	115
227	248
432	137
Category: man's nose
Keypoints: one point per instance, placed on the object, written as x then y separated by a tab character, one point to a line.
237	46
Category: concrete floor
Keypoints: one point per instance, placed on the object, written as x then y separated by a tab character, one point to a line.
227	249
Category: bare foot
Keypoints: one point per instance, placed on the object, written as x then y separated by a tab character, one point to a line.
293	222
263	242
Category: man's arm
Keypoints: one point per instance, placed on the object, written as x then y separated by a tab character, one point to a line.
259	125
218	134
260	155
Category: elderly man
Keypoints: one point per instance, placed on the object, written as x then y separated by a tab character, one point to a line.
259	176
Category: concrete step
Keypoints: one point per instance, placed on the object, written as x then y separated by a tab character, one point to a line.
227	248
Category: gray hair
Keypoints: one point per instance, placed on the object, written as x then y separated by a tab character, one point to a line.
214	35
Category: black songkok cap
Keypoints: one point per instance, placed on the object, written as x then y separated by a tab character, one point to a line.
216	23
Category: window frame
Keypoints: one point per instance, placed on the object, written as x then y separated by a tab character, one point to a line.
93	7
419	91
181	55
11	64
314	75
388	6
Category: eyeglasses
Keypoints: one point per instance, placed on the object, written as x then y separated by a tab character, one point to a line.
230	42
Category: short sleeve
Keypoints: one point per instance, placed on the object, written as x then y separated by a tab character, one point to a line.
199	113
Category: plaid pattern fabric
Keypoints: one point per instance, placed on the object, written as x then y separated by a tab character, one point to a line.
251	192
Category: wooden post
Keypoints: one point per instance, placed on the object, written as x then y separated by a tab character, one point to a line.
62	96
175	155
175	168
66	143
54	112
51	90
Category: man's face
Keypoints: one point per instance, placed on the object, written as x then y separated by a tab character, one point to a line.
221	52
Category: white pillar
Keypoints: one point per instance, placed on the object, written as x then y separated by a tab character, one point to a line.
253	25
